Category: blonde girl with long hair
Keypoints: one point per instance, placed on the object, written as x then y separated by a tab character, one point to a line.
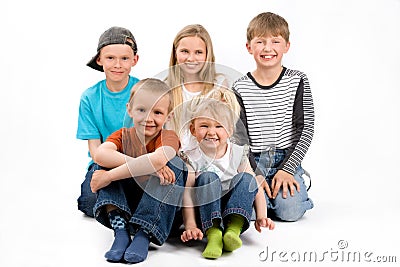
191	74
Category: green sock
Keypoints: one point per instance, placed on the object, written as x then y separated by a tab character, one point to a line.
214	246
234	227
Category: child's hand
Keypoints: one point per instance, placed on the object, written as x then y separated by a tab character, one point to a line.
266	188
166	175
286	180
192	233
100	179
264	222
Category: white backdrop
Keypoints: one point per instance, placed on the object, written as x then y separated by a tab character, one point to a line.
349	49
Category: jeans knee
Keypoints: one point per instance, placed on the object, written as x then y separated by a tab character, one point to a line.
86	203
207	178
289	215
177	165
245	181
289	210
245	177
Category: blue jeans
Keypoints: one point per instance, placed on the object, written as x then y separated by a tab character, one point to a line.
238	200
291	208
155	211
87	199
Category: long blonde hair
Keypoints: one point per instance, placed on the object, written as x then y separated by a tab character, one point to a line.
175	76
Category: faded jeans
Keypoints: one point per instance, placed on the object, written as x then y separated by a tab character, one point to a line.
291	208
155	211
238	200
87	199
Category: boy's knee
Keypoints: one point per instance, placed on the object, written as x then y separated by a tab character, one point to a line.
86	203
179	168
290	209
289	214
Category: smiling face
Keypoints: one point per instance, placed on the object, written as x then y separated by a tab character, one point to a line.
117	61
212	136
191	53
149	111
268	50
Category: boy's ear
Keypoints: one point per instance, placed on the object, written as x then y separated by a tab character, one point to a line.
98	61
170	116
287	46
249	48
129	110
135	60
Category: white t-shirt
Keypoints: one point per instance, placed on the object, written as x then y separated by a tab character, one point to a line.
225	167
187	95
187	139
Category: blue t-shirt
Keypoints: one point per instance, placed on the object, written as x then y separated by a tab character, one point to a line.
102	112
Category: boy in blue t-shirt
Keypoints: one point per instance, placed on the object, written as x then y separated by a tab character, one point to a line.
103	106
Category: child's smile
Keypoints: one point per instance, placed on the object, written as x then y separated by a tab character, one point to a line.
149	112
211	135
267	57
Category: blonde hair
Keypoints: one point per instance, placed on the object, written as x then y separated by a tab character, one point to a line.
268	23
151	85
217	95
227	96
175	76
216	110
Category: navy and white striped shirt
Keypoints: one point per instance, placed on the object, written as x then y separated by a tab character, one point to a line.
280	115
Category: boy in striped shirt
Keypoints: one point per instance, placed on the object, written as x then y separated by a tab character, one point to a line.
277	111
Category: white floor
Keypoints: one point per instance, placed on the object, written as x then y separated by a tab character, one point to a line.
46	230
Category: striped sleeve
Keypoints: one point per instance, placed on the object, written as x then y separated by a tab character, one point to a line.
303	123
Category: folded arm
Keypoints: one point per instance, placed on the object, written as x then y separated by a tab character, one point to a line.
123	166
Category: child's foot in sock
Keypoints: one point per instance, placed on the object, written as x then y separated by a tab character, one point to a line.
121	242
138	249
234	227
214	246
232	241
122	237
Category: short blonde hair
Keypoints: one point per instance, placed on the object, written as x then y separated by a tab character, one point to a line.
216	110
152	85
268	23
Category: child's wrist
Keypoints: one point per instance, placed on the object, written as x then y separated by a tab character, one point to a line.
109	176
261	215
190	226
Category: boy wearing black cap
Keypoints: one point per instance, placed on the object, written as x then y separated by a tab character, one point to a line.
103	106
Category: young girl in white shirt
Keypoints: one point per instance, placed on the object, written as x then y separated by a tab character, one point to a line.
221	182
